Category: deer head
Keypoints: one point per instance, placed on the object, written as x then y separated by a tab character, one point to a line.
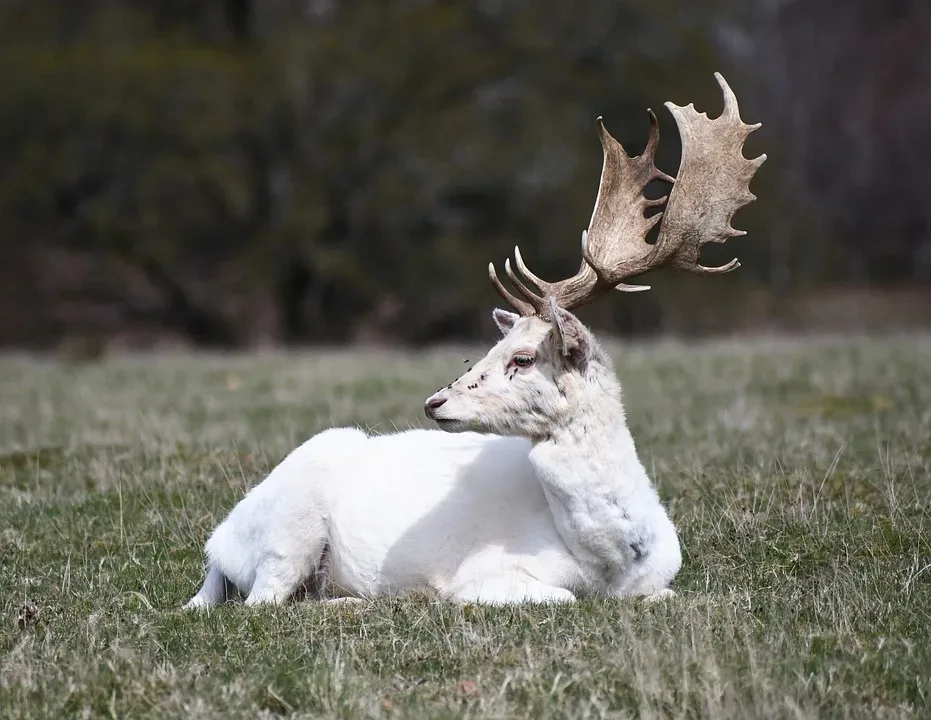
547	360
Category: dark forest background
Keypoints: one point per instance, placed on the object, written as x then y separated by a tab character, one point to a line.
229	173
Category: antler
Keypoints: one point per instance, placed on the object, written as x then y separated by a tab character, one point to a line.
711	185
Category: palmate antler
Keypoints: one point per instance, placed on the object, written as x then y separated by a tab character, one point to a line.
711	185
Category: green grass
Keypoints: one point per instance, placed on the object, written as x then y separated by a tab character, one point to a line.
797	473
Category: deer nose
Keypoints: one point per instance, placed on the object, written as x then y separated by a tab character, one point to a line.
432	404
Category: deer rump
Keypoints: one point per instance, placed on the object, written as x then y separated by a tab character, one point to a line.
352	515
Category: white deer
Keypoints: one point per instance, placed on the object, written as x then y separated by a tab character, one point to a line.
534	492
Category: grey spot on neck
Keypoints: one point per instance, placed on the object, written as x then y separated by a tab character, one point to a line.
639	552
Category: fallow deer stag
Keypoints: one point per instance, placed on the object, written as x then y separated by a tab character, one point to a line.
539	495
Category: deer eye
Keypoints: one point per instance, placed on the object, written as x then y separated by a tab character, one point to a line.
523	361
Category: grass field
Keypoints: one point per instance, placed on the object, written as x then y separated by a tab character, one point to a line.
797	473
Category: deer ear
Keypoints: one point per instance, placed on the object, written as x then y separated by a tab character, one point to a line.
571	336
504	320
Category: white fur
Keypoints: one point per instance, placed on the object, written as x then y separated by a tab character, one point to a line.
560	508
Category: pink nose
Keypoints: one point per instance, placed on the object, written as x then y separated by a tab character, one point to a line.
432	404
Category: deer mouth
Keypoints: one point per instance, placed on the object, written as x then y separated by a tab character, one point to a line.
451	425
432	409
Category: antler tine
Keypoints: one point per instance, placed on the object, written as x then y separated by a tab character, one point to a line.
652	144
542	285
523	308
535	300
731	109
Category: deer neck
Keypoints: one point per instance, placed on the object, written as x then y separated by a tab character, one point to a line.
593	430
592	440
596	487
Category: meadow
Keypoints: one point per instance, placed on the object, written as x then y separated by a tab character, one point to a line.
797	471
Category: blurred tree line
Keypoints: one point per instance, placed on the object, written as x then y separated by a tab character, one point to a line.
234	172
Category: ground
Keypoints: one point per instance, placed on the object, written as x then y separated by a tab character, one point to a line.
796	471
